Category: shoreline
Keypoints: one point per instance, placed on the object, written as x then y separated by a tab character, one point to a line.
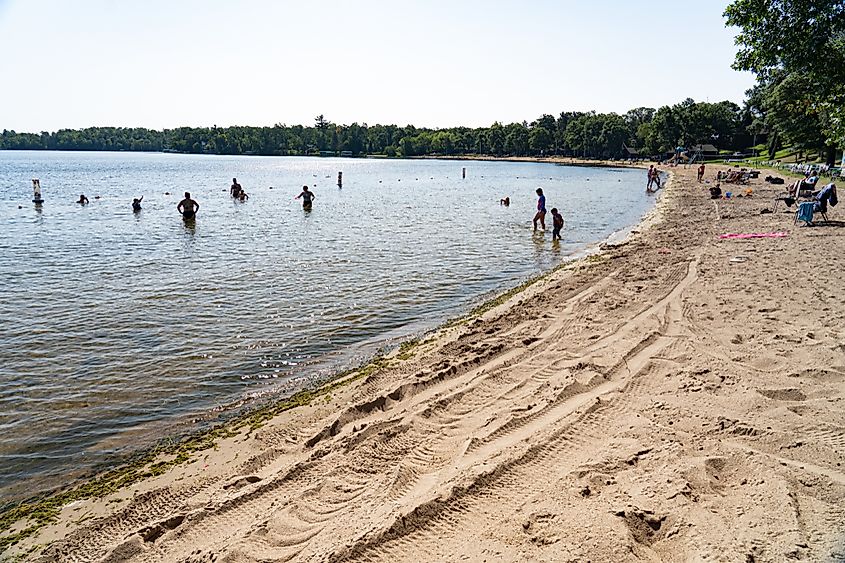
161	455
658	399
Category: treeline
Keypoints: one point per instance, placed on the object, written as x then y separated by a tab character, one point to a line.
591	135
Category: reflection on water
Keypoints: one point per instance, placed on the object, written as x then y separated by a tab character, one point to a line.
117	325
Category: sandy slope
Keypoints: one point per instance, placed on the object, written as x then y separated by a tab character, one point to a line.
657	402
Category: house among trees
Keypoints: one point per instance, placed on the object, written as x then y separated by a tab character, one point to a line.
629	153
706	149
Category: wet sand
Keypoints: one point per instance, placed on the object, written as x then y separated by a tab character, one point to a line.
675	397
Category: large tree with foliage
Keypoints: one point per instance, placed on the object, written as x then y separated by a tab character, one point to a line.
803	40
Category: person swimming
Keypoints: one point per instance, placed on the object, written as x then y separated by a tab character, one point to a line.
188	207
307	198
82	200
541	210
506	201
136	204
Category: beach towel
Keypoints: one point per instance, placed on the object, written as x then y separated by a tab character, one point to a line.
751	235
805	212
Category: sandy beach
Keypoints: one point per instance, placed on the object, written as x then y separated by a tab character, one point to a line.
675	397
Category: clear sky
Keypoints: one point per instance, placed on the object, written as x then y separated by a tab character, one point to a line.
166	63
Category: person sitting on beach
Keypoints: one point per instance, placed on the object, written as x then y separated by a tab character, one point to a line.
541	210
136	204
307	198
82	199
557	224
701	172
506	201
236	188
188	207
716	192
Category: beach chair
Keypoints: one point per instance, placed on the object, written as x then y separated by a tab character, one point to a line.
818	205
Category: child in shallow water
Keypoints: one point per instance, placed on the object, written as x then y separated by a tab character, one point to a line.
557	223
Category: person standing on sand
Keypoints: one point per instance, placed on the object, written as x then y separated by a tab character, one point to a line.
188	207
701	172
541	210
557	224
307	198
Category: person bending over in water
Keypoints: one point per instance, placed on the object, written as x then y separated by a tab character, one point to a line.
506	201
307	198
242	196
236	188
82	199
136	204
188	207
541	210
557	224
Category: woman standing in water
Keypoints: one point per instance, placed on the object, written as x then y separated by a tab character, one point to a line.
307	198
541	210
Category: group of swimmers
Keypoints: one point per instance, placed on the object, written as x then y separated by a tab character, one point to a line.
237	192
188	207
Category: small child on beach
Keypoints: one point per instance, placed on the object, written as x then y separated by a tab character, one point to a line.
557	224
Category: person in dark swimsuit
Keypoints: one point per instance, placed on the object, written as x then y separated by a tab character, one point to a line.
307	198
136	204
236	188
188	207
557	223
82	200
541	210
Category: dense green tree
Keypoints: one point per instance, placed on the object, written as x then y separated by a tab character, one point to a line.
797	40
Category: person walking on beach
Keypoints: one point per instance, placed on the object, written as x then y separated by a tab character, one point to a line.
136	204
541	210
307	198
701	172
188	207
557	224
236	188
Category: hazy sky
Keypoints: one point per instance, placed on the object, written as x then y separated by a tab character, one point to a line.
429	62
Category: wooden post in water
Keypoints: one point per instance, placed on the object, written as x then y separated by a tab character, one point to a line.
340	179
463	172
36	191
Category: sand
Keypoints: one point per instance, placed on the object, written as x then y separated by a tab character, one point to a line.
675	397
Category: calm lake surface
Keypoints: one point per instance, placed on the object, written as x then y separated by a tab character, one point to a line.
117	328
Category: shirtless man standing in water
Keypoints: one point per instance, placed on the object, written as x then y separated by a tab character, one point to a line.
188	207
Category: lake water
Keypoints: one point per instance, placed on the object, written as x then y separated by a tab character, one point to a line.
116	328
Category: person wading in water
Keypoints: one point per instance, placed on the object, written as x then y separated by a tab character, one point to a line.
307	198
188	207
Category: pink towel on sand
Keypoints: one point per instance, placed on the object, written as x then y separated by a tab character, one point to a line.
753	235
